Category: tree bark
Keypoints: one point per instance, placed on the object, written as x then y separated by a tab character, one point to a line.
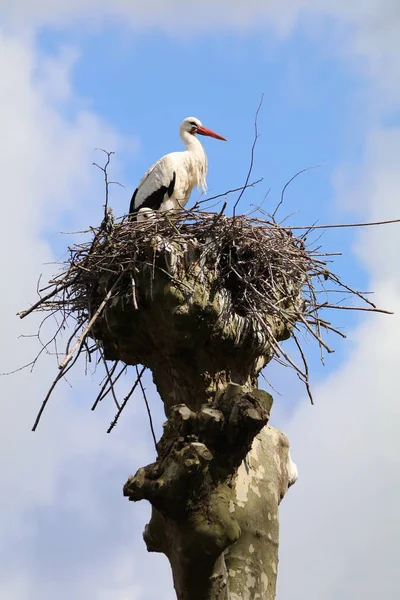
261	482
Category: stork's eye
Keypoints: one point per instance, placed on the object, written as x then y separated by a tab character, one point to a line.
193	124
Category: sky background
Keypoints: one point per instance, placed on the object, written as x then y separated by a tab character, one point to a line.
121	76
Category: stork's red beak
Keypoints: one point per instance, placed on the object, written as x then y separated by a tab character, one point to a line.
204	131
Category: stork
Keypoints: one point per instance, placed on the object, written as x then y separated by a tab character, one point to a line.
167	185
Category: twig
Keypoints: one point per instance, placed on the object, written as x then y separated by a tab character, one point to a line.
109	375
29	364
286	186
28	311
60	375
147	408
106	182
252	155
341	225
362	308
257	208
239	189
303	358
125	402
104	392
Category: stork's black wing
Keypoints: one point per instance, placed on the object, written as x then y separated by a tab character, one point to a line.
154	199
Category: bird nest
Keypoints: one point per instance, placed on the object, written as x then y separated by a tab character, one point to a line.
268	281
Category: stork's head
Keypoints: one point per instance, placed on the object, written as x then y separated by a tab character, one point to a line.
193	126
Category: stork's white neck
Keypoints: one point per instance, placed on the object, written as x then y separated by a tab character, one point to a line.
191	142
197	157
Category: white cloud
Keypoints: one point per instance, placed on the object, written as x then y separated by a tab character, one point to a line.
172	15
377	20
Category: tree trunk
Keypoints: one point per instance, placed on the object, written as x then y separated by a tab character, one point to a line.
221	471
229	550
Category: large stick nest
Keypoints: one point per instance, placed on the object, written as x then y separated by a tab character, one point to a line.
261	269
262	274
269	279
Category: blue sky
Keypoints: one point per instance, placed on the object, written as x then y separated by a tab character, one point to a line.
81	75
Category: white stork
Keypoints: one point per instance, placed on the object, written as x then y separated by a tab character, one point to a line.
167	185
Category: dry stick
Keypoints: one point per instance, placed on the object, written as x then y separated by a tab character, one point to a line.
104	392
317	323
125	402
327	291
71	337
33	362
257	208
53	385
147	408
29	364
296	212
104	169
109	375
239	189
219	215
327	326
90	324
315	334
39	332
270	384
278	350
337	280
303	358
338	225
337	306
208	206
38	284
305	234
42	300
252	155
286	186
